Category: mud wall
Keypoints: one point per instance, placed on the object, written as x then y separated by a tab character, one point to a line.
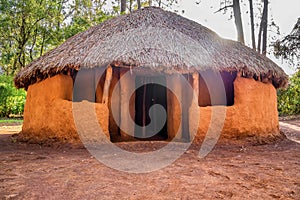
48	111
254	113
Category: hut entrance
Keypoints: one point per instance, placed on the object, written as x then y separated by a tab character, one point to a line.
147	95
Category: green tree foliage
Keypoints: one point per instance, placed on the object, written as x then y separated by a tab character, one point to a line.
131	5
26	28
289	99
11	100
84	14
29	28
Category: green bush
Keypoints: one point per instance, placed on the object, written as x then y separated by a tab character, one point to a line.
289	99
11	100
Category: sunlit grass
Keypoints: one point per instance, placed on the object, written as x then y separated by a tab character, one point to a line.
8	121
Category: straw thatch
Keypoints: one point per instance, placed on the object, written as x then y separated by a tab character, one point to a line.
156	39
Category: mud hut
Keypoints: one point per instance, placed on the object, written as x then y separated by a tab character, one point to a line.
151	45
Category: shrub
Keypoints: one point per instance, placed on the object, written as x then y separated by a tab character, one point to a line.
11	100
289	99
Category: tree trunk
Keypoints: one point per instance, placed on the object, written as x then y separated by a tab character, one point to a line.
238	20
33	44
144	110
42	43
262	35
107	83
252	24
123	6
130	5
150	2
139	4
259	37
21	59
265	27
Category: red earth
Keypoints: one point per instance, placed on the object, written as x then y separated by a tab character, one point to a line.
233	170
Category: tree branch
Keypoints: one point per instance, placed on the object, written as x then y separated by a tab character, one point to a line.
225	7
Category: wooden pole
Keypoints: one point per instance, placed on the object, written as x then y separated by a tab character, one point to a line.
107	84
196	87
119	120
174	108
126	84
194	108
144	108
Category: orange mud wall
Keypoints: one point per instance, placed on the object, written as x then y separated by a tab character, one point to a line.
254	113
48	111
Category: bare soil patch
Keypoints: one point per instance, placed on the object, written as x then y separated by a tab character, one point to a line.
236	170
291	129
10	129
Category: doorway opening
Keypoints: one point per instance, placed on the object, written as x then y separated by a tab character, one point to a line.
147	95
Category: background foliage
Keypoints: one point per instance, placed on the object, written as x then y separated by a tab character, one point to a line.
288	48
289	99
11	100
29	28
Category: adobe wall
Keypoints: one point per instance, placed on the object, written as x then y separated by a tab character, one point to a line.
48	111
254	113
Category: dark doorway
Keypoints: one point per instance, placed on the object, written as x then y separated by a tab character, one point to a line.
148	94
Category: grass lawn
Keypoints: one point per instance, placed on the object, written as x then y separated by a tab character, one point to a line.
11	120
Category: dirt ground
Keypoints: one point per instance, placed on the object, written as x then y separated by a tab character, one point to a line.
230	171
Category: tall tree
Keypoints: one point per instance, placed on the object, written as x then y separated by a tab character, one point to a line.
252	24
265	27
225	5
139	4
238	20
262	35
235	5
123	6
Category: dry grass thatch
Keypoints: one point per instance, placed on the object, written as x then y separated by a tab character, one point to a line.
156	39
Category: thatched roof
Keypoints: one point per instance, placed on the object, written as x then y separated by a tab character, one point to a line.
156	39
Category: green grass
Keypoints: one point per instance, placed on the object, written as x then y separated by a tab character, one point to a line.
7	120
